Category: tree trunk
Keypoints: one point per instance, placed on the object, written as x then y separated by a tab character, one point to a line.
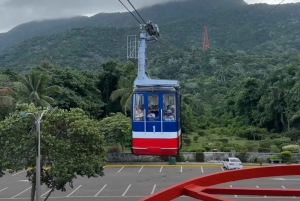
282	121
33	190
49	194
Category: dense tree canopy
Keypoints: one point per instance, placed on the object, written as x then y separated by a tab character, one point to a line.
70	142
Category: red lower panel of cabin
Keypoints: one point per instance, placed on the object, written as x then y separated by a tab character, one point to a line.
156	147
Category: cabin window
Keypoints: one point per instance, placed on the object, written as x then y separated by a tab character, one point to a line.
138	110
169	107
153	107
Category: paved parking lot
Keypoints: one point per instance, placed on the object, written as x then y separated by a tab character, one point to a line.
127	183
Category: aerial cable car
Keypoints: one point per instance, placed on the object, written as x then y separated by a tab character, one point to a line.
156	107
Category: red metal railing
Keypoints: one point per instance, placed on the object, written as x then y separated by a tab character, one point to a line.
200	187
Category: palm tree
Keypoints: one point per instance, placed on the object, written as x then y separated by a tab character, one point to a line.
4	99
34	88
124	91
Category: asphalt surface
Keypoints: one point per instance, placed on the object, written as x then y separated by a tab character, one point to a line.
131	183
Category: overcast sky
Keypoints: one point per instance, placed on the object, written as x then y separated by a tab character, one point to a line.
15	12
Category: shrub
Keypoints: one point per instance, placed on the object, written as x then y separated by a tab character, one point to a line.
286	156
201	133
187	141
274	157
224	140
274	149
279	142
180	158
114	149
265	143
294	148
195	138
196	150
263	150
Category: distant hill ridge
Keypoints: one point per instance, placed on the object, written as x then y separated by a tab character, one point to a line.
162	13
238	27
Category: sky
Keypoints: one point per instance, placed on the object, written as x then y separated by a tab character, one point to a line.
15	12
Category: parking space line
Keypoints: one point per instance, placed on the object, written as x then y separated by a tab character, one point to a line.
18	173
202	169
281	186
231	187
161	168
126	190
73	191
3	189
46	193
181	169
141	169
100	190
153	189
258	187
21	193
120	169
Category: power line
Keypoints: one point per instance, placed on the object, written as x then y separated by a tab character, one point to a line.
262	17
160	40
136	11
273	8
130	12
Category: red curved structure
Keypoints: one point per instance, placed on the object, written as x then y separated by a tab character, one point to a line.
200	187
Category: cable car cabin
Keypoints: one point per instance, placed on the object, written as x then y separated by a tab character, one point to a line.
156	126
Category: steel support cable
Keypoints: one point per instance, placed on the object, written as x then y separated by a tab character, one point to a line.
260	18
130	12
136	11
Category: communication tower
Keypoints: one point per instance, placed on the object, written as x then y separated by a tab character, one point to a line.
205	39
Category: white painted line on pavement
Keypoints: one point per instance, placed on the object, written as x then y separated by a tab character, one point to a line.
100	190
120	169
153	189
18	173
46	193
181	169
139	196
21	193
73	191
126	190
222	169
258	187
3	189
231	187
161	168
202	169
141	169
281	186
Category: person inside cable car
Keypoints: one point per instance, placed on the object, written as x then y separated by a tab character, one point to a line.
169	116
151	115
139	113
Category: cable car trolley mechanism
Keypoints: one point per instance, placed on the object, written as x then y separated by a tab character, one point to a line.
156	128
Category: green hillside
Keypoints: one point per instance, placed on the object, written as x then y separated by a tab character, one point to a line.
161	13
238	29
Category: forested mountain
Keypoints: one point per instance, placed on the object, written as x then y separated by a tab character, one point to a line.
244	87
245	28
161	13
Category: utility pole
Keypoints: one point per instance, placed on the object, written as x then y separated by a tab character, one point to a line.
38	118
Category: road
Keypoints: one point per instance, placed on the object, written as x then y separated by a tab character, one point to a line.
131	183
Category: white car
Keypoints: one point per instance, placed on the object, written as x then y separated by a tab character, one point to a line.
232	163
